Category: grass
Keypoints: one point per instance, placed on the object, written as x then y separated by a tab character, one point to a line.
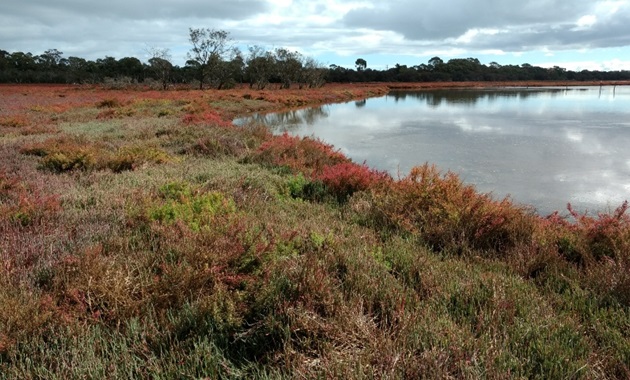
143	236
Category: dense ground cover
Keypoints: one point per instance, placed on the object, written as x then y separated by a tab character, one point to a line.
144	236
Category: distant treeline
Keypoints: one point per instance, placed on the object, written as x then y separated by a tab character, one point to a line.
260	67
467	69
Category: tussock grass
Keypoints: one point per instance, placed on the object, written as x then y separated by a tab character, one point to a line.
178	246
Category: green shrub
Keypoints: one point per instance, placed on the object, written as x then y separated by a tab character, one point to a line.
70	160
131	157
196	210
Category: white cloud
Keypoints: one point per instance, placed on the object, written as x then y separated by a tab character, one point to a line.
606	65
585	22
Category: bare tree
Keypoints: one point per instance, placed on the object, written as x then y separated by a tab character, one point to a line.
314	74
160	63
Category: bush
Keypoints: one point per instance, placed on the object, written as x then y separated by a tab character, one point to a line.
306	155
23	204
58	162
131	157
108	103
344	179
445	213
194	209
67	154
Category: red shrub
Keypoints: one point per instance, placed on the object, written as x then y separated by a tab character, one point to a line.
346	178
209	118
306	155
22	204
445	213
608	235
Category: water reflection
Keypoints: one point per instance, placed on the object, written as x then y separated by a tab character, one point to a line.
545	147
360	103
471	97
289	119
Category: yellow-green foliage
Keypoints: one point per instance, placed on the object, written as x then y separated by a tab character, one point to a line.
66	153
194	208
130	157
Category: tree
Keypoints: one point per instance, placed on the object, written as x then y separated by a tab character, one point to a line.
436	63
361	64
209	47
260	66
107	67
4	59
130	67
235	69
22	61
50	58
314	75
160	64
288	66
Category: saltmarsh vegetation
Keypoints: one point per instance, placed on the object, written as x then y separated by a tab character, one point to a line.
143	236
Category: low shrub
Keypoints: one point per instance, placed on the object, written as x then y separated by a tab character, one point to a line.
300	187
207	118
23	204
306	155
344	179
65	154
193	208
109	103
214	141
446	214
602	247
74	159
131	157
68	154
14	121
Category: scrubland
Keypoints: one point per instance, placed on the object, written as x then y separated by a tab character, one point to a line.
142	235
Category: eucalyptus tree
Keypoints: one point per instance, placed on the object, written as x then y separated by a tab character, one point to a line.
209	46
361	64
260	67
289	66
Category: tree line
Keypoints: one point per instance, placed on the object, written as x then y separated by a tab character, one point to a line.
215	62
466	69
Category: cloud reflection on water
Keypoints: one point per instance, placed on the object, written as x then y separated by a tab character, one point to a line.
545	147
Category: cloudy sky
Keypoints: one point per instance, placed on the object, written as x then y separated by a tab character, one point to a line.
575	34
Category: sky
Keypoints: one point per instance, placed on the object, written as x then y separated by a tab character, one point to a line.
574	34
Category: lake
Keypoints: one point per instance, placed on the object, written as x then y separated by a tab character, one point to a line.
542	146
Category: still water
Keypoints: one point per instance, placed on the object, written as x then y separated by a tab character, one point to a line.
542	146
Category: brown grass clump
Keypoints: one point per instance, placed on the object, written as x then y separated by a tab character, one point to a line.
14	121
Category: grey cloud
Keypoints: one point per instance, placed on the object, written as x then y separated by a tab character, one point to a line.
117	27
47	11
526	25
611	33
418	20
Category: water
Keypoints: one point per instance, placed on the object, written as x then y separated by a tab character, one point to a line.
542	146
